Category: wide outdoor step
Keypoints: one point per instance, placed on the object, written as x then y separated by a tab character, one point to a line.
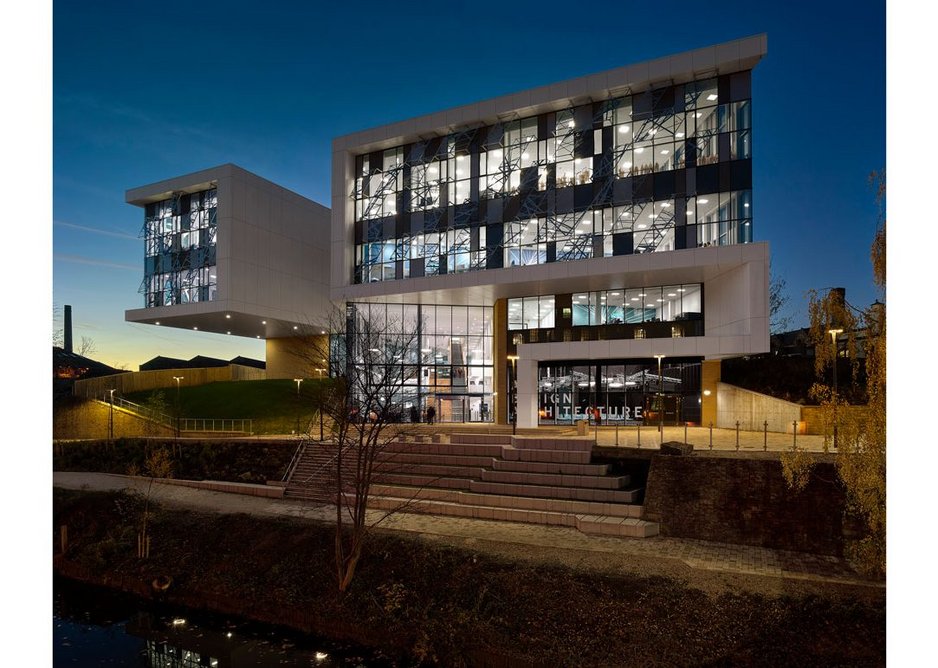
444	449
550	467
555	479
566	444
555	492
424	480
436	470
490	439
503	501
567	457
446	460
625	527
615	526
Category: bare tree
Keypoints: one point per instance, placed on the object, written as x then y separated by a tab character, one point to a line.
371	363
87	346
779	319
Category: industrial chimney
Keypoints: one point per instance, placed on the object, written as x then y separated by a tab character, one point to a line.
68	328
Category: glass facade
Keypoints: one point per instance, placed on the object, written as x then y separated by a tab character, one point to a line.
668	303
443	354
656	171
179	257
625	391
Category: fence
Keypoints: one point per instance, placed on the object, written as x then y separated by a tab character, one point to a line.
138	381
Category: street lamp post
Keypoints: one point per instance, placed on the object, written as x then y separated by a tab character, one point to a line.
178	405
298	382
110	420
834	333
660	402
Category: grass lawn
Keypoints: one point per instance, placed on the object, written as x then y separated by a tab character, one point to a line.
273	405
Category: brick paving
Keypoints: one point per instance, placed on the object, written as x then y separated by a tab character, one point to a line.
698	554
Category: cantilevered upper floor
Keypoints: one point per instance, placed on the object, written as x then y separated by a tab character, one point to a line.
229	252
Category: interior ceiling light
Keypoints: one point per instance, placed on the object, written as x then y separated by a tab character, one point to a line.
157	322
702	201
195	328
678	134
263	322
640	150
672	294
665	151
623	129
614	294
229	332
711	97
228	316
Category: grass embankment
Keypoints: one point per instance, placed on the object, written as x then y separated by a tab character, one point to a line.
451	605
255	462
273	405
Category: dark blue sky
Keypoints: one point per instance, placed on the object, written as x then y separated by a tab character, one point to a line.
145	92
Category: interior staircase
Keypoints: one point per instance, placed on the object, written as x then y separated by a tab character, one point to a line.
531	479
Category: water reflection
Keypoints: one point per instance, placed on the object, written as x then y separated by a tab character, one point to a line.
95	627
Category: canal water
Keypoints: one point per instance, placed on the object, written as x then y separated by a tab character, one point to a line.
97	627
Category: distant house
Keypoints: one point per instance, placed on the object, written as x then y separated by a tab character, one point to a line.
247	361
72	366
159	363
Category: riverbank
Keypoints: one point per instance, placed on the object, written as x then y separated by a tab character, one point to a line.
457	602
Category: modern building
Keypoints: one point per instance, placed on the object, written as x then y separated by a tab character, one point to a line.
231	253
583	245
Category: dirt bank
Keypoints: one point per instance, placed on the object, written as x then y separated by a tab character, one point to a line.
461	603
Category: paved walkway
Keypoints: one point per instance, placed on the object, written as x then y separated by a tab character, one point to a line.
697	554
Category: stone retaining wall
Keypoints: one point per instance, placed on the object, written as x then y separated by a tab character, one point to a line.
745	501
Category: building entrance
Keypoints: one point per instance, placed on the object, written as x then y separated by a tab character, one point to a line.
624	391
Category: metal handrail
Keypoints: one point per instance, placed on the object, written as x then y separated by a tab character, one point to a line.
239	425
297	456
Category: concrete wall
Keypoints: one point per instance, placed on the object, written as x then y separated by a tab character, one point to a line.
297	357
752	409
138	381
89	419
279	250
744	501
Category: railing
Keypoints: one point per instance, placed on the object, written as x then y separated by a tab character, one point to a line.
143	411
237	425
297	456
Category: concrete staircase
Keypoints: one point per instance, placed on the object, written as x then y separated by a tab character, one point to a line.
532	479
